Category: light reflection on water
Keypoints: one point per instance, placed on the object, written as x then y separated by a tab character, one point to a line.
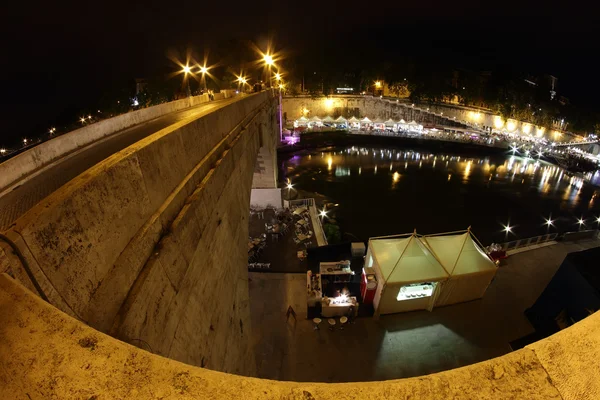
386	191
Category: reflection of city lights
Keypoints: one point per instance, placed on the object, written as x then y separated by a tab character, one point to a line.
329	163
396	177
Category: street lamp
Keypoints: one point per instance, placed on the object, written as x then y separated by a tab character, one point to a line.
2	151
187	70
203	71
268	59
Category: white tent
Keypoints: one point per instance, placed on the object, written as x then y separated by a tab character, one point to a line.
390	123
365	120
353	120
341	120
328	119
315	119
407	272
470	268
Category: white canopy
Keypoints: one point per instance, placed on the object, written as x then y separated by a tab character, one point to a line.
341	119
328	119
353	119
406	260
378	121
315	119
302	119
365	120
402	121
390	122
470	268
413	122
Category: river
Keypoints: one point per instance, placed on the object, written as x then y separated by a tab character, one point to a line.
377	191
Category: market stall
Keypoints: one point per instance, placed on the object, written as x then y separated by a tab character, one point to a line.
407	272
302	121
471	269
366	124
315	122
328	121
391	125
379	124
341	123
354	123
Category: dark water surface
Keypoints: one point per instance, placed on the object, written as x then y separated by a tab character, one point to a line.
383	191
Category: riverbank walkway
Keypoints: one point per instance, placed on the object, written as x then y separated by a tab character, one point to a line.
400	345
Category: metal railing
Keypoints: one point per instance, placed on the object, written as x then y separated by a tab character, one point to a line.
517	244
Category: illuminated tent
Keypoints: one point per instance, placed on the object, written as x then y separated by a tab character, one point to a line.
365	120
315	119
470	268
390	123
302	121
408	274
341	120
353	120
328	119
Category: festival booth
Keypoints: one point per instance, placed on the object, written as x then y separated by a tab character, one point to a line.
471	270
315	122
365	123
328	121
354	123
379	124
408	274
402	125
341	123
302	121
391	124
413	126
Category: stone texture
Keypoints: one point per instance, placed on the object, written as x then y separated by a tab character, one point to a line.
150	243
66	359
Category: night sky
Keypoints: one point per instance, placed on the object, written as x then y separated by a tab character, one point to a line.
59	58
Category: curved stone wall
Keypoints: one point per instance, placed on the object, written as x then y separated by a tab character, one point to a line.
47	354
150	245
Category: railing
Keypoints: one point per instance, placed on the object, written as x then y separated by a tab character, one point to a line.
517	244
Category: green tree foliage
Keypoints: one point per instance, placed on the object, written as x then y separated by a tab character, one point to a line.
333	234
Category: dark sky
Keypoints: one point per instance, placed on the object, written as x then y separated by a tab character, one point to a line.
59	57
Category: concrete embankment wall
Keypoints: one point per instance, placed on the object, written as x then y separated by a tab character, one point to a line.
150	245
359	106
39	156
47	354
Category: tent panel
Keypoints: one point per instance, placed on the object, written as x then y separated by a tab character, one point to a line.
387	253
446	248
473	260
462	288
417	265
389	305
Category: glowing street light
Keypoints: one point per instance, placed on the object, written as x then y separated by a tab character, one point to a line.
289	186
187	69
268	59
82	120
507	228
24	141
377	84
278	76
2	151
203	71
598	220
549	222
322	213
581	221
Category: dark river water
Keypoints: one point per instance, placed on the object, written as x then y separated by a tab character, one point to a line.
383	191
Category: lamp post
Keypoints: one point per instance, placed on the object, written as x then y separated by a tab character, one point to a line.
187	70
203	71
269	62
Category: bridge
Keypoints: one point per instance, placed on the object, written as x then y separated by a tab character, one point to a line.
126	275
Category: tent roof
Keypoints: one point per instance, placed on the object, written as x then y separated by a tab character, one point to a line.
365	119
413	122
402	121
459	254
378	121
340	119
406	260
315	119
328	119
390	121
353	119
302	119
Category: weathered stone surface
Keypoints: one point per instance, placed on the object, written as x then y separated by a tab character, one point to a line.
150	244
66	359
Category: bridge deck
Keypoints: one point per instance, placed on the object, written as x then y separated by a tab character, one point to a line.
21	197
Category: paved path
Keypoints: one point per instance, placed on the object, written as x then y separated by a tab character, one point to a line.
18	201
398	345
